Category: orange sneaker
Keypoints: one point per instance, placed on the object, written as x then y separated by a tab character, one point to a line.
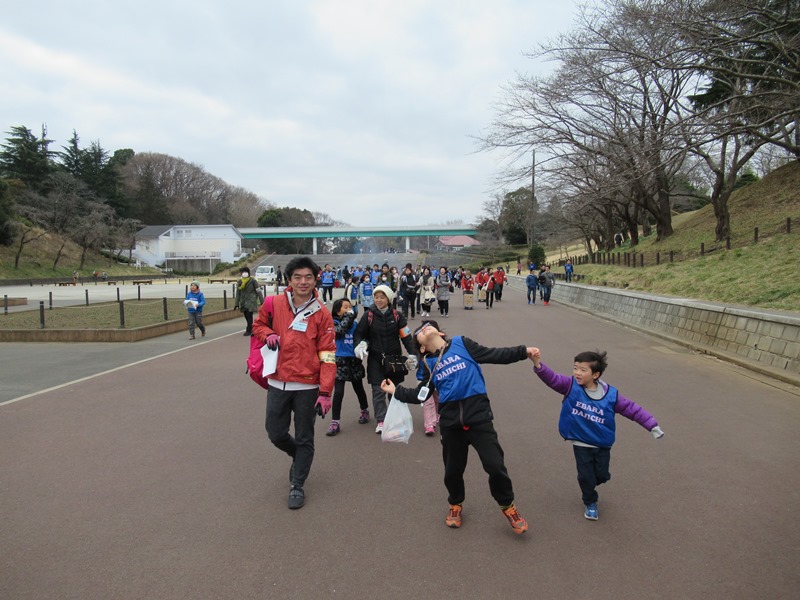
453	518
518	524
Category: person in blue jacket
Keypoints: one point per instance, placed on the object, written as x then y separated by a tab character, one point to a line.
532	283
326	278
195	301
465	414
348	367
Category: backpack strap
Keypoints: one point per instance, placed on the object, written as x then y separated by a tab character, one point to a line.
269	301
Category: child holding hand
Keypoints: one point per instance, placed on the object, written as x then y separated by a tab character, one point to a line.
465	413
587	419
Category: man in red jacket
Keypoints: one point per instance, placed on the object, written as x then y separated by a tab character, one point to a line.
302	327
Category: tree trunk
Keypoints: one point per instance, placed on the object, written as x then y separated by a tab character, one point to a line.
663	215
58	254
83	257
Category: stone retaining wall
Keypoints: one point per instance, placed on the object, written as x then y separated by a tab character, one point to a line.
767	341
112	335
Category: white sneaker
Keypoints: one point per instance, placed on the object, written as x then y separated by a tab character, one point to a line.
379	428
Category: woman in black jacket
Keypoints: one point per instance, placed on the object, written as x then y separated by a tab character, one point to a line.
379	334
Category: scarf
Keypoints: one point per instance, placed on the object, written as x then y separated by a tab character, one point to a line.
245	281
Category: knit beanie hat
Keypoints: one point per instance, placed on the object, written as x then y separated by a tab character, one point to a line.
386	290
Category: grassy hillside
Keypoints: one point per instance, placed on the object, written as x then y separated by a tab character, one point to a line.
36	261
764	274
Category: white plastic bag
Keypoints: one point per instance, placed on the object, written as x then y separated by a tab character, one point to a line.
398	424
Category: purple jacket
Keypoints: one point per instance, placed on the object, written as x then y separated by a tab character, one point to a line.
627	408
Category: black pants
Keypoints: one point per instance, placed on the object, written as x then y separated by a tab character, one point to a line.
338	396
409	303
498	291
248	317
489	298
444	306
280	406
455	448
327	293
593	464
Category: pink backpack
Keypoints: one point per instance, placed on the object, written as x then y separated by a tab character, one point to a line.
255	362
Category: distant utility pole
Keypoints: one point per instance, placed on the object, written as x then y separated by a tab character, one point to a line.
532	212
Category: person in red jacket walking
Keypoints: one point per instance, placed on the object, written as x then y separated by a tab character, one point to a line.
301	327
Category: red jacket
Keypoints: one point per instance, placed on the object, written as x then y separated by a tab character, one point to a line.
466	284
305	356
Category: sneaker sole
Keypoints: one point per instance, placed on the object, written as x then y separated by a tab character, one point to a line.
590	518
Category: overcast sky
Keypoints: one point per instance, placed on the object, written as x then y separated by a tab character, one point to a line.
361	109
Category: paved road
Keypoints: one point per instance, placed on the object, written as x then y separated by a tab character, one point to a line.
155	479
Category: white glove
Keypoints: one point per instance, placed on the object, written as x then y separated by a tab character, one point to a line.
411	363
657	433
361	351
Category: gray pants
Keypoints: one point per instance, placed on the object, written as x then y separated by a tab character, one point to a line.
379	403
280	406
196	318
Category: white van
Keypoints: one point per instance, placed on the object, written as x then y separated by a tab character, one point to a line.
265	274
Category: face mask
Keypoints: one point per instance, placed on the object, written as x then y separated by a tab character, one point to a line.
244	275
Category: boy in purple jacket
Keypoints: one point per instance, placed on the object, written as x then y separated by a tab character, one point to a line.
587	418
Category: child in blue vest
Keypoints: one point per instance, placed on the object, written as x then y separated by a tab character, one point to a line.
365	292
465	414
348	367
587	419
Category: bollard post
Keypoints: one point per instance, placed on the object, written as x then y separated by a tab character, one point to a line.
755	235
5	304
225	299
51	300
122	314
166	313
139	293
87	297
41	314
117	294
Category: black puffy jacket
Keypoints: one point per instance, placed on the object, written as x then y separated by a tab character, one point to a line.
384	332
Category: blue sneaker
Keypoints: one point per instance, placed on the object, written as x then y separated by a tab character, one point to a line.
591	512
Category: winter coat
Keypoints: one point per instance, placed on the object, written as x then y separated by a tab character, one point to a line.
305	356
248	297
384	332
443	283
348	367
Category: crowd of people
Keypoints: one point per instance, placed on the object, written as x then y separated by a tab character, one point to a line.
321	350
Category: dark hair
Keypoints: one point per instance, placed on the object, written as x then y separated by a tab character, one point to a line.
246	269
417	347
301	262
597	360
337	306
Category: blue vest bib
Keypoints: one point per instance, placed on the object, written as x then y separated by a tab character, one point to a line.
457	376
586	420
326	277
344	345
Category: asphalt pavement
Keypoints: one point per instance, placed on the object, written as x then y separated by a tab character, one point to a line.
143	471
